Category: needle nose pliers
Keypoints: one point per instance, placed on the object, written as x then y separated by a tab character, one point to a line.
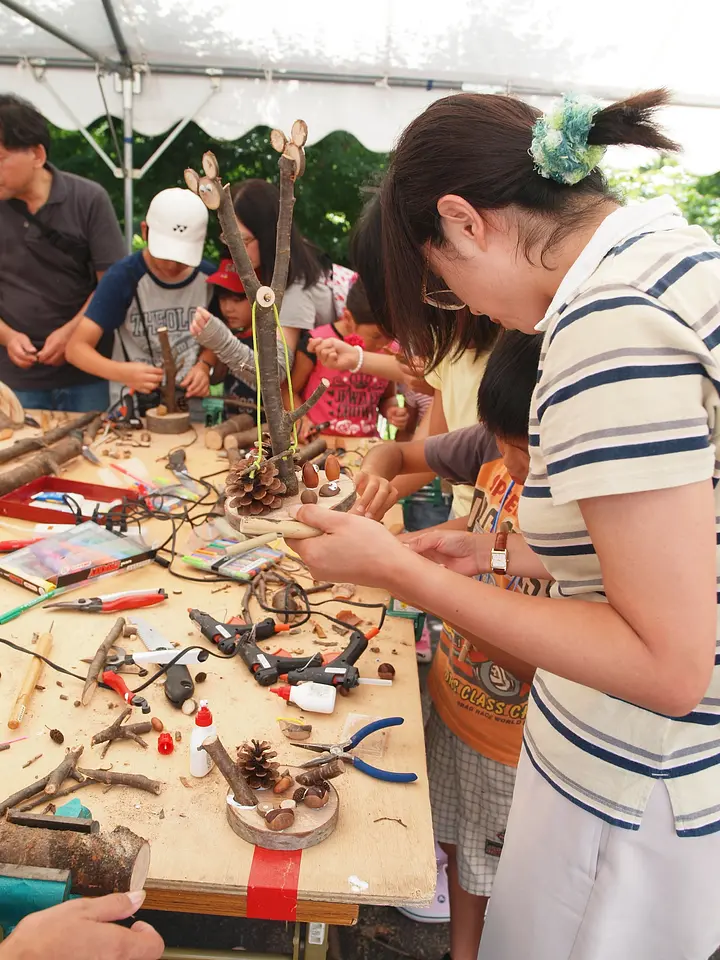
112	602
340	751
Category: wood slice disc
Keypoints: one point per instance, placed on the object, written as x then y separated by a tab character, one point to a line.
310	828
169	423
281	517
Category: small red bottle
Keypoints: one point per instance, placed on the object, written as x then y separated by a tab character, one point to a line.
165	743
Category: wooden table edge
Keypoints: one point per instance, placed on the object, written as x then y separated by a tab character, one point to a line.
216	901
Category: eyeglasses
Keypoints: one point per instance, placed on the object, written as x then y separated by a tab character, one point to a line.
247	239
437	296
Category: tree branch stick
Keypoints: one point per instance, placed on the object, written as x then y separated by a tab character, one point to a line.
29	444
90	431
42	464
170	368
98	661
236	245
30	791
116	731
42	797
311	450
298	412
135	780
63	770
241	791
284	229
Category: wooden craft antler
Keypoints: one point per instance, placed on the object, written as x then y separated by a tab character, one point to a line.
216	196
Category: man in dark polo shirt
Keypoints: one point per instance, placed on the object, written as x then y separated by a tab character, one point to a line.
58	235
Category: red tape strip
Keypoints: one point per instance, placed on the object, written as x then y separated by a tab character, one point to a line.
273	884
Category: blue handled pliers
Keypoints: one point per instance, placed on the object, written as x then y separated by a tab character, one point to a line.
339	751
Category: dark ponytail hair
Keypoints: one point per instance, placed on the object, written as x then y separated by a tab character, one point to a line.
453	334
505	392
257	203
477	146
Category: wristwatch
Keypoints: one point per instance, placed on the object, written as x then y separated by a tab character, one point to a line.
499	554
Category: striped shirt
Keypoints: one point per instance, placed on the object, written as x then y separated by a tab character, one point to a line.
627	400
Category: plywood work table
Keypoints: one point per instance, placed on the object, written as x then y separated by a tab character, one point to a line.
198	864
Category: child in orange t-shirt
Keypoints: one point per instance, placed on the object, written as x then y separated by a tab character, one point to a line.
479	693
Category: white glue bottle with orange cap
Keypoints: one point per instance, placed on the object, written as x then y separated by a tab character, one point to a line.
201	762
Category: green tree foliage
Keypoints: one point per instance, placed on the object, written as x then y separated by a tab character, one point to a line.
330	194
697	197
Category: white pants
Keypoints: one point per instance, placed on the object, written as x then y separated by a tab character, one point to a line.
571	887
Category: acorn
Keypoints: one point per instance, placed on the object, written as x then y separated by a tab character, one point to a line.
386	671
317	797
309	475
332	467
284	783
329	489
300	794
157	725
280	819
308	496
264	808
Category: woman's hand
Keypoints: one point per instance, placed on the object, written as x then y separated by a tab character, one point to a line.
84	930
466	553
375	496
197	381
352	548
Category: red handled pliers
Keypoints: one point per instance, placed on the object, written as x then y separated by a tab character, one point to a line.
112	602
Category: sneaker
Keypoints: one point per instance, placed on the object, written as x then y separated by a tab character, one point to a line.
439	909
423	646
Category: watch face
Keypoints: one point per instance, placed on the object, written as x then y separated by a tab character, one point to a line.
499	561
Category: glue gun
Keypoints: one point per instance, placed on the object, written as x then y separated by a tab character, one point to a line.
340	672
238	638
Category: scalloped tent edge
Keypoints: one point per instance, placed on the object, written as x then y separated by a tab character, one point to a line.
159	67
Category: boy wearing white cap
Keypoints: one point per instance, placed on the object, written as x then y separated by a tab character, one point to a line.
160	286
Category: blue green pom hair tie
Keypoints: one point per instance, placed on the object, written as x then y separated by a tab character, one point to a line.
560	146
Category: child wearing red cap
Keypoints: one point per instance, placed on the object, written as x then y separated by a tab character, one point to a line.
230	338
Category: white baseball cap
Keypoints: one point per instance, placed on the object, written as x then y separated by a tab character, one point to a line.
177	223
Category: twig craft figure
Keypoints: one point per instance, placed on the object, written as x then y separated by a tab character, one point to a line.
266	301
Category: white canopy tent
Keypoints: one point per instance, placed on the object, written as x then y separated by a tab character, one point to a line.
367	68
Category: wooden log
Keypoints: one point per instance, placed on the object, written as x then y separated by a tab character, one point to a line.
311	450
31	444
239	786
233	455
98	661
167	423
243	439
99	863
215	435
42	464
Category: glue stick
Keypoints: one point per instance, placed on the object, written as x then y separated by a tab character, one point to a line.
313	697
201	762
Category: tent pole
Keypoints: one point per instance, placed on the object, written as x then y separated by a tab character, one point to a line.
128	161
50	28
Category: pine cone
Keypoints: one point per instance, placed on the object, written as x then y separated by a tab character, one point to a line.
254	490
255	762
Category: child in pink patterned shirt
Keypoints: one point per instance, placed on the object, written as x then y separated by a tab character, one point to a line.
351	405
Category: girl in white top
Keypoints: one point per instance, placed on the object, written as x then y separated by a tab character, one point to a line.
613	842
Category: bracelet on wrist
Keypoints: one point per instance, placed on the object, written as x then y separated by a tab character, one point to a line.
361	358
207	364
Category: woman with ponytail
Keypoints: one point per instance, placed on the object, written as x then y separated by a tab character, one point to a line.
613	839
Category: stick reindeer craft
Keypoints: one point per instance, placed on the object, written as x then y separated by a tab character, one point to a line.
266	306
